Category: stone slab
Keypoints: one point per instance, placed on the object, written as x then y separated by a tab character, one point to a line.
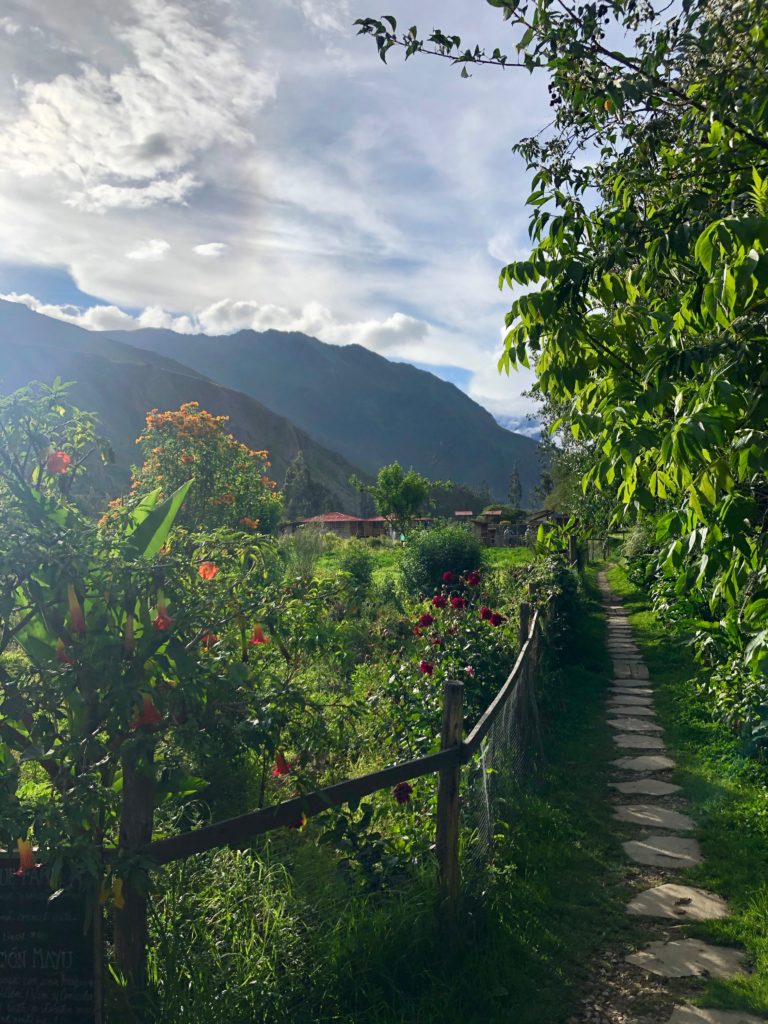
646	787
631	684
685	958
633	724
626	668
679	902
664	852
655	817
698	1015
635	710
635	741
645	763
635	690
631	697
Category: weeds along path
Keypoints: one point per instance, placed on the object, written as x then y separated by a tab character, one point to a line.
658	978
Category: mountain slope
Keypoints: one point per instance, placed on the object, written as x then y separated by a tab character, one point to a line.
367	408
122	383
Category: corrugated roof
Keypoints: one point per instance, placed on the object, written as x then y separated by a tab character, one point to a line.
463	513
334	517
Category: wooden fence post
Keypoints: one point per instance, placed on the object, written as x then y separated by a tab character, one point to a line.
447	844
525	623
573	550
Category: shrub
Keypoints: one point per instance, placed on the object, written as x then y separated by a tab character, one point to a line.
430	553
302	550
355	559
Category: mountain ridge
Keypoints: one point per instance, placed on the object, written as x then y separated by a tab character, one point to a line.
356	402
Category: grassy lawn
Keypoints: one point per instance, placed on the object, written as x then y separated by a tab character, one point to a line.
728	792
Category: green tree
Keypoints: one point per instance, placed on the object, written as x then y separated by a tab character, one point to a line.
644	302
398	496
303	495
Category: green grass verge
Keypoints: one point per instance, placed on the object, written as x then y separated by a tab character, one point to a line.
728	792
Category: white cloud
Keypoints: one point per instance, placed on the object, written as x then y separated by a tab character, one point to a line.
126	137
210	249
153	250
9	26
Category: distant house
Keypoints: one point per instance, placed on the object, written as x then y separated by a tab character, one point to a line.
338	523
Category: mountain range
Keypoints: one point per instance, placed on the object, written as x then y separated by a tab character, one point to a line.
348	409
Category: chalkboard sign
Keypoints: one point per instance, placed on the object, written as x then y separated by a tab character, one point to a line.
46	959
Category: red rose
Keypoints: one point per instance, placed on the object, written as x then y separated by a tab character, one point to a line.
426	619
473	579
425	667
402	792
485	613
496	619
439	600
449	577
58	462
459	602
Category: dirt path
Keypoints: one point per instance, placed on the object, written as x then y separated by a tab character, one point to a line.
653	981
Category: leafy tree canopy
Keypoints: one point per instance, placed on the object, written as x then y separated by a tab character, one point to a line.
398	496
643	301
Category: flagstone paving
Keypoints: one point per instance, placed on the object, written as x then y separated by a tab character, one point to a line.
647	786
683	958
655	817
631	713
664	851
680	902
645	763
696	1015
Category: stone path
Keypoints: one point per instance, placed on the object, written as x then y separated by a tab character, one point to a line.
660	839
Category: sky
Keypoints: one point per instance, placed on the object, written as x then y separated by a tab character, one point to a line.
213	165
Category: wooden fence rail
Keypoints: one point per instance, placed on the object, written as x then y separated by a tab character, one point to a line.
447	763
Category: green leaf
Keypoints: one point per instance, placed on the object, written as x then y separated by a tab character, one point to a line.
147	539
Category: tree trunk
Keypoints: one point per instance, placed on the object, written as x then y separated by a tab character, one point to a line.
136	821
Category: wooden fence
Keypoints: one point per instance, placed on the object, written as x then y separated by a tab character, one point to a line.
456	750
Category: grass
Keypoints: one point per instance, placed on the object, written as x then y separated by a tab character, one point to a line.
308	946
728	793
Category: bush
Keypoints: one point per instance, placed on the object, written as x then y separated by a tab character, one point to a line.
355	559
430	553
301	551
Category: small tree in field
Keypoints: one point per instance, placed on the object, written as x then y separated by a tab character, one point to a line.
230	486
398	496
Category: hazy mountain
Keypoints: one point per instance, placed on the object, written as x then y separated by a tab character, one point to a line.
122	383
355	402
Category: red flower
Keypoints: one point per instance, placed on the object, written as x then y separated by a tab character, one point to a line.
76	617
459	602
282	767
470	671
416	631
402	792
437	641
209	639
162	620
58	462
439	600
473	579
425	667
61	654
485	613
26	857
426	619
149	715
300	823
496	619
449	577
207	570
258	636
